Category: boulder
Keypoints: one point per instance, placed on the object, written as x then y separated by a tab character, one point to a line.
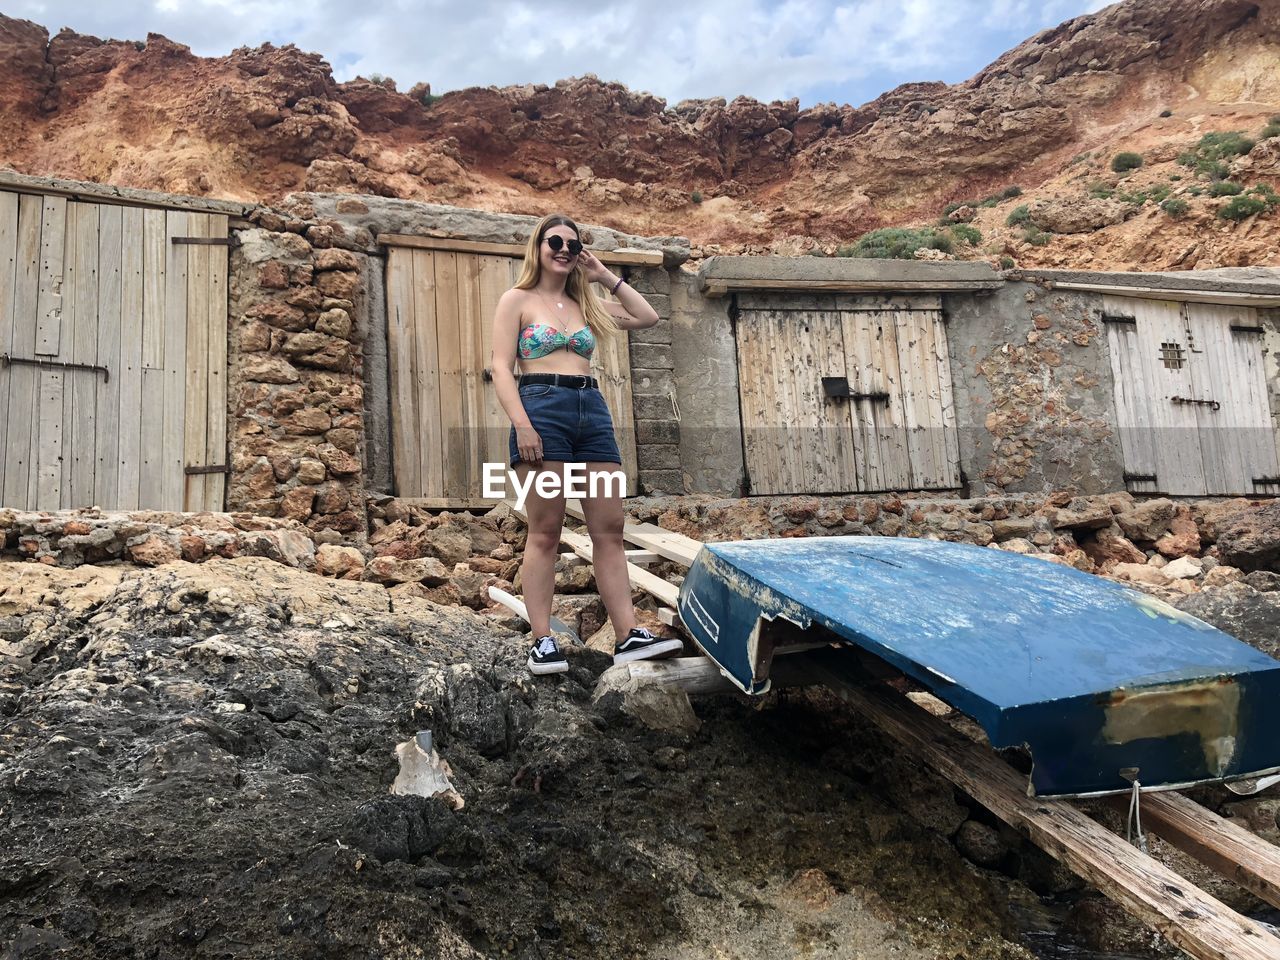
345	563
1082	513
1109	547
1140	573
1250	539
1183	538
393	570
1148	521
1184	568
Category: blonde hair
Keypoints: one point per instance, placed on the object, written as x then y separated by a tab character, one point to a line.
597	317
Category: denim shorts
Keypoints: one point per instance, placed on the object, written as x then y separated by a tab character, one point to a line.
574	424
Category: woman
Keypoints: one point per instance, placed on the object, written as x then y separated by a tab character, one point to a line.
550	321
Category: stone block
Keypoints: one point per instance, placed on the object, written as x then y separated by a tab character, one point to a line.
667	481
658	333
657	431
651	356
658	456
652	408
652	382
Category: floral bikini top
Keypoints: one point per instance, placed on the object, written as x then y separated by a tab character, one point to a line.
539	339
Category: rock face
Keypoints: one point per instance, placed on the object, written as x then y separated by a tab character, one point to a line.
259	123
225	733
1250	539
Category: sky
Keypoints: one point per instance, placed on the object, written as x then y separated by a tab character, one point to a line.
815	50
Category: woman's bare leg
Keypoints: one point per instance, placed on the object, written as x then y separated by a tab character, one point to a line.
608	555
542	547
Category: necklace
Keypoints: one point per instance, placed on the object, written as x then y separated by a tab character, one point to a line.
559	303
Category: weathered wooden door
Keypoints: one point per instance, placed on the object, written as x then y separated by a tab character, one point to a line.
1191	398
446	421
113	329
845	393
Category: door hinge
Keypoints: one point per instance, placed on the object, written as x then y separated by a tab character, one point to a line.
203	241
5	360
1245	328
1266	481
1119	318
1139	477
212	468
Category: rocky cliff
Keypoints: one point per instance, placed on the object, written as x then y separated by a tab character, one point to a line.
1150	76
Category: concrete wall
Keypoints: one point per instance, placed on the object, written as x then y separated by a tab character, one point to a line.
1035	406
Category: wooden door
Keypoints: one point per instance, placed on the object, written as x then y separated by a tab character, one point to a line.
895	427
113	326
1191	398
446	421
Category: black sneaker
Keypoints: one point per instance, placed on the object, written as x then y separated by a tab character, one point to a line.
640	644
545	657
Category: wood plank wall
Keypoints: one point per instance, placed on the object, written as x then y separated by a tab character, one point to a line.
446	420
799	440
105	285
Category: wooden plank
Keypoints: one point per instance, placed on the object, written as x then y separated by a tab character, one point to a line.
1179	461
453	419
640	578
151	469
22	440
48	493
80	328
217	412
130	363
1177	296
406	458
1249	385
890	417
451	503
927	322
1189	918
195	433
915	397
1236	853
611	366
106	469
950	430
494	280
665	543
109	194
52	275
718	288
1133	408
622	257
1213	377
173	443
426	378
471	323
155	260
862	372
8	288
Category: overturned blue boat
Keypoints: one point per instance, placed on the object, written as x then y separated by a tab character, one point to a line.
1101	683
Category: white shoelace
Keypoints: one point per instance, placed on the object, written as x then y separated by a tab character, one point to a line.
546	646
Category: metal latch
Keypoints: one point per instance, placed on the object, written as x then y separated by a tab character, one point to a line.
212	468
1139	477
5	360
1120	318
1211	404
839	387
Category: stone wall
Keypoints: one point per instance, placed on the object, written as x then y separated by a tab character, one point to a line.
298	316
1035	405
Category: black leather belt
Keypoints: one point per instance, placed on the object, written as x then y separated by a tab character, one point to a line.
574	380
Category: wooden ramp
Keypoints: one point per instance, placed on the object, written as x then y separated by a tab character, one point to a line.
1188	917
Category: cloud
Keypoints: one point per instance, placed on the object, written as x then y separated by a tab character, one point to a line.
768	49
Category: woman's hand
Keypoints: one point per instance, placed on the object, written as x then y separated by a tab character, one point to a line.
596	271
529	444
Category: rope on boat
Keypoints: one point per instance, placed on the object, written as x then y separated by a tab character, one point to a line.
1134	826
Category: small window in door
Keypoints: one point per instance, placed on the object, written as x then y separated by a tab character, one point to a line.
1172	355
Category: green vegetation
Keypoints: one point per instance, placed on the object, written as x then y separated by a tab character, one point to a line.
1272	129
898	243
1125	161
1166	113
1019	214
995	199
696	196
1139	197
1266	193
427	99
1210	154
967	234
1225	188
1240	207
1195	190
1035	236
1101	191
1007	263
1175	177
1175	207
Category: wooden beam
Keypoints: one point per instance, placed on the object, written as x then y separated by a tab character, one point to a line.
633	556
646	581
1228	297
450	503
712	287
626	257
1234	852
665	543
1188	917
106	193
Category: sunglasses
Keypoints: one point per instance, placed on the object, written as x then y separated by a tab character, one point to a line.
557	243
